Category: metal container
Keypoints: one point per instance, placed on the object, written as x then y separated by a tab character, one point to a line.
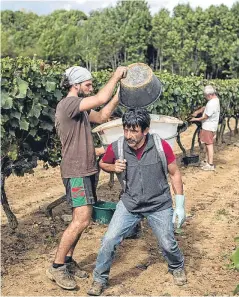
140	88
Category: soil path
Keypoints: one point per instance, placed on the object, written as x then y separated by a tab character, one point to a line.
207	240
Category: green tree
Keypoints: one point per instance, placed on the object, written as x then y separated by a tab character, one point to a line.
89	41
220	30
111	43
17	33
135	25
161	26
183	50
60	34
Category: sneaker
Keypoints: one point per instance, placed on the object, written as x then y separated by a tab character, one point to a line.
179	277
62	277
96	289
203	163
208	167
75	270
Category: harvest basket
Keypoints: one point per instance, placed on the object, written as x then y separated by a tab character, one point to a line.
140	88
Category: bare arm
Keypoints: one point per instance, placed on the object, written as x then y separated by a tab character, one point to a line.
99	151
199	119
176	178
104	114
118	167
200	110
104	95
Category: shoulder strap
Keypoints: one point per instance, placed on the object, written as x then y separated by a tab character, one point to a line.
121	176
158	143
159	147
121	148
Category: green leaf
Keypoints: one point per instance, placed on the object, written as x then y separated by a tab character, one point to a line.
16	114
12	132
13	153
24	125
236	291
6	101
58	95
4	118
22	87
14	91
4	82
235	258
33	132
50	86
33	121
46	126
14	123
30	94
2	131
43	102
177	91
49	112
35	111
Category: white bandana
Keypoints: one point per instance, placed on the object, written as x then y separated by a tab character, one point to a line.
77	74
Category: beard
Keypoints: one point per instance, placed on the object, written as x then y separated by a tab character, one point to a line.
81	94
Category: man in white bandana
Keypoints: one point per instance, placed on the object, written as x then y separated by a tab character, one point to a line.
78	166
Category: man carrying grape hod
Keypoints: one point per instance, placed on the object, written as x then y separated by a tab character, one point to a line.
142	162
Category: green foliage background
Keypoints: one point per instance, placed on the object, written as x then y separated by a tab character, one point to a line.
186	41
30	93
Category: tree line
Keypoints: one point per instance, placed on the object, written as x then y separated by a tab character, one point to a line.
186	41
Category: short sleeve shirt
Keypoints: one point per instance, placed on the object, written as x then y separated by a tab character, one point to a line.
212	110
74	130
109	156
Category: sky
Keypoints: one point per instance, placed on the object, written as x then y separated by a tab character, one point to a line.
46	6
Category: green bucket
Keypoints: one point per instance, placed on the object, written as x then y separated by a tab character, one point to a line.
103	211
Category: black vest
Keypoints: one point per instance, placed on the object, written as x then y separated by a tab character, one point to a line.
147	188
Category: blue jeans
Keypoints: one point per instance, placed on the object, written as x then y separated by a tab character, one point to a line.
121	223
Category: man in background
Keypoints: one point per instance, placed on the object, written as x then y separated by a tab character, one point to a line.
210	120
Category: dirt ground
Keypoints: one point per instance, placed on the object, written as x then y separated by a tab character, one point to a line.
207	240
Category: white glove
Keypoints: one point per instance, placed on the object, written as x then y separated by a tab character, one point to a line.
179	211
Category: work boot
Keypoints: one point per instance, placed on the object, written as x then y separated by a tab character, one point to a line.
179	277
75	270
62	277
96	289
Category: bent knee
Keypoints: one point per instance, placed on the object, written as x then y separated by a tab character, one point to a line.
80	224
169	245
111	241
